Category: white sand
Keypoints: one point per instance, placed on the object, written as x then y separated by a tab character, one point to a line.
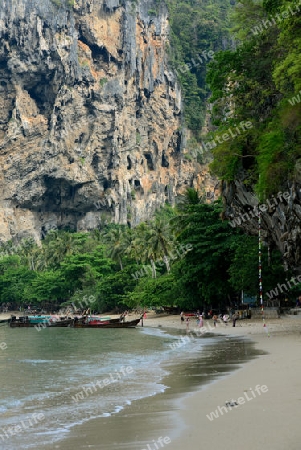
271	420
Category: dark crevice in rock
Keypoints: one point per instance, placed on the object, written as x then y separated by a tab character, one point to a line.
165	162
138	188
107	184
100	55
95	161
179	142
147	93
149	161
44	94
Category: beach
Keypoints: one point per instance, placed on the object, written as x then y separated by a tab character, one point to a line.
254	406
267	418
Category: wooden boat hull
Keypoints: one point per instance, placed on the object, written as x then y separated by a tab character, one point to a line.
108	324
60	323
21	324
28	324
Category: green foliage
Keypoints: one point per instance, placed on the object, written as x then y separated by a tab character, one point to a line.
204	270
153	292
103	81
196	27
59	3
187	257
243	269
14	279
255	83
84	64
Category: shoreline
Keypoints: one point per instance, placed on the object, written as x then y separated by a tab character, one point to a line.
139	425
267	418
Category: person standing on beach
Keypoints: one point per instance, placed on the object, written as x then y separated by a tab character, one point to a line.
225	319
187	323
182	317
201	321
214	320
234	319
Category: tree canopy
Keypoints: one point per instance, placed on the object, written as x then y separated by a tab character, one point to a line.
259	82
185	256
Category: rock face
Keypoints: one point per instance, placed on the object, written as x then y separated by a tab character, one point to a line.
90	117
280	216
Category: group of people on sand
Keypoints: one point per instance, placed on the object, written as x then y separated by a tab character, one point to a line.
225	319
200	321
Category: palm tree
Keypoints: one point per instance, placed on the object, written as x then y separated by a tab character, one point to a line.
188	200
116	244
161	239
142	242
57	245
130	244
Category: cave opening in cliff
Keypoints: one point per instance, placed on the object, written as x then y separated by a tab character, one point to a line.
167	193
138	188
147	93
179	142
129	165
107	184
100	55
95	161
59	194
164	162
149	161
43	94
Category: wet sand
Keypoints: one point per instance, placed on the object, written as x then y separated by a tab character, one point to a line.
141	425
269	419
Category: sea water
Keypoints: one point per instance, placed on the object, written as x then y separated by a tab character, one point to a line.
57	378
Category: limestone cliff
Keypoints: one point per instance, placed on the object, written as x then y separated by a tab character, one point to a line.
280	216
90	117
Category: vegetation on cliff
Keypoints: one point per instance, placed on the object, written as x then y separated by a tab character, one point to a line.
259	82
197	28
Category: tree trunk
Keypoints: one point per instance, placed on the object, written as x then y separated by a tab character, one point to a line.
154	274
120	263
165	258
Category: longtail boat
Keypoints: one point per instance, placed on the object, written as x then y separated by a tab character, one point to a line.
41	321
111	323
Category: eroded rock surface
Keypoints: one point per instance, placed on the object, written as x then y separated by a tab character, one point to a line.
90	116
280	216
